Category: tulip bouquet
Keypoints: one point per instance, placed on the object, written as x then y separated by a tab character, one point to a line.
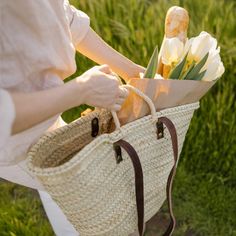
196	59
181	73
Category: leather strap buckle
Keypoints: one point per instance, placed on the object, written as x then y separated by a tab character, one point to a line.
160	130
118	153
95	127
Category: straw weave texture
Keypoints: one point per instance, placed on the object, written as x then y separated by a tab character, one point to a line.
81	173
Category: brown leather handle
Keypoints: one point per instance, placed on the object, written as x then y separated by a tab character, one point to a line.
174	138
139	191
139	188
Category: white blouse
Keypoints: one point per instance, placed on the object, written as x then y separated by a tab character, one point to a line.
37	50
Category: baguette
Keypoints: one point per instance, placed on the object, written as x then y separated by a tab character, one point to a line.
176	25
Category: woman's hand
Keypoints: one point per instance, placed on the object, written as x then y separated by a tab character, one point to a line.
96	87
100	88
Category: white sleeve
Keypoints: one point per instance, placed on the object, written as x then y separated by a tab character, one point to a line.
7	117
79	23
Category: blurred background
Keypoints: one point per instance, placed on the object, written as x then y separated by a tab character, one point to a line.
205	186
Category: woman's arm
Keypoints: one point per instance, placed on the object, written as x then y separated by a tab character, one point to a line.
99	51
33	108
96	87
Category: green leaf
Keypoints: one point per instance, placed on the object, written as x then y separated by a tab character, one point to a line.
195	71
176	72
200	76
152	65
188	71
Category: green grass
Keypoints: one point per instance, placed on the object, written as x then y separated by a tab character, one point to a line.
205	185
21	212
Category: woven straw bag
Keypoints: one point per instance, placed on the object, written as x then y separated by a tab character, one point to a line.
109	184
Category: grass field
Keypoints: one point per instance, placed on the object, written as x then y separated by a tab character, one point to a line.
205	185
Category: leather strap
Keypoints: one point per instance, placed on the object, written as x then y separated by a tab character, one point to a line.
139	191
139	188
174	138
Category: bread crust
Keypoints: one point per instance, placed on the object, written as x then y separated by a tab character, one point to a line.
176	25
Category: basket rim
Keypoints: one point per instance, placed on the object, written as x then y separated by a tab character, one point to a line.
103	138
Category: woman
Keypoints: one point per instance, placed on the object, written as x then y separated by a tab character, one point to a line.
38	44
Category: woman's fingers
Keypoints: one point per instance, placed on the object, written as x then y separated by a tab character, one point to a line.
120	101
105	69
122	95
118	104
123	92
120	92
116	107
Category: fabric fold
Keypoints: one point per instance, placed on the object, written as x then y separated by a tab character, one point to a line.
7	117
79	23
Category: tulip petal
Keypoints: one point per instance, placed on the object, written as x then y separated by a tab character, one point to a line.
202	44
172	50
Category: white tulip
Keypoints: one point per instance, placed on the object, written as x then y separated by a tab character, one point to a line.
214	56
188	45
201	45
214	71
214	66
171	51
157	76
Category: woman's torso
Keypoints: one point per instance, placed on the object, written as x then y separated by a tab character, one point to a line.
36	53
